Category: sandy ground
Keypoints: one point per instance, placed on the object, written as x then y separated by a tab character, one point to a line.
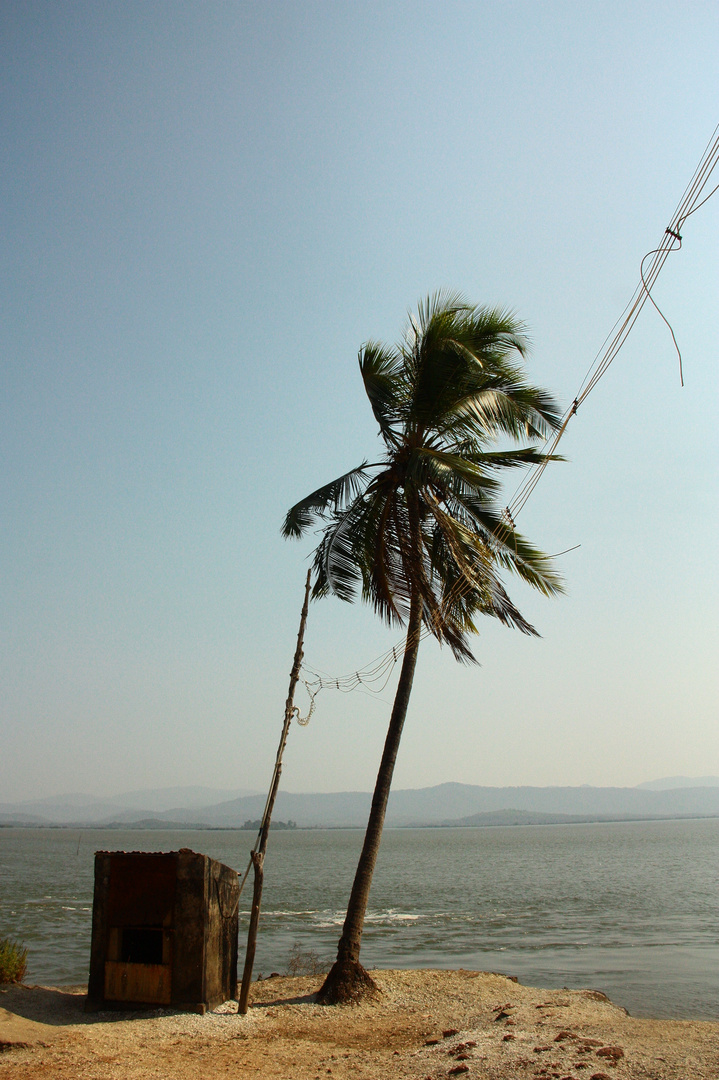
426	1024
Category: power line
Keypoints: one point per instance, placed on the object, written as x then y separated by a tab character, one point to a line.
380	670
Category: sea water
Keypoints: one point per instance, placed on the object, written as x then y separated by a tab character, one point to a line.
631	909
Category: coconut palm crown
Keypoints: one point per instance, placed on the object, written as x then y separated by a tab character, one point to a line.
419	531
423	520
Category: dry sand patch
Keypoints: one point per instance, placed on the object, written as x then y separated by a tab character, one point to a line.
427	1024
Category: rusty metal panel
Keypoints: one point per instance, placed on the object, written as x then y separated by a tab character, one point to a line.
141	889
188	971
146	983
221	933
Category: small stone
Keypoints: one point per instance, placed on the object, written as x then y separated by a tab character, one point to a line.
614	1053
599	1076
564	1035
431	1042
501	1015
541	1049
458	1069
508	1038
450	1032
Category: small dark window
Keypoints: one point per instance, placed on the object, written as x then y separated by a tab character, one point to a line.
141	945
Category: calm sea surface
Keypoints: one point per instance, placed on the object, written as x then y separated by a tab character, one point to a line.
631	909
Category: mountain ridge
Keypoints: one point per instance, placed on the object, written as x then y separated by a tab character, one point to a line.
441	804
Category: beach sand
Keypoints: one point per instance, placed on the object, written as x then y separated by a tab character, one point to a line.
426	1024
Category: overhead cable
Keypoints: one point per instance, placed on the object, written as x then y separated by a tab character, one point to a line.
691	200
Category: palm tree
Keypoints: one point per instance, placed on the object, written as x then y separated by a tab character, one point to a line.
419	530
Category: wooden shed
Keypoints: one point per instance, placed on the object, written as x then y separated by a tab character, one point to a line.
164	931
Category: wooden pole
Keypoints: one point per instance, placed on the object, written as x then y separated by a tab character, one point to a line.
258	855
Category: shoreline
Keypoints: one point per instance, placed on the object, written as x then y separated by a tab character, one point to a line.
492	819
427	1025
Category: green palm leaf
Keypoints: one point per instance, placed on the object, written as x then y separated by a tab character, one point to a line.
327	499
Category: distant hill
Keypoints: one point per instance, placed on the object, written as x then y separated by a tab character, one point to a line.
528	817
125	808
514	817
670	782
443	804
162	799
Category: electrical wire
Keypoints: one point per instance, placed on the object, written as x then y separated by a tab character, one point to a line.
691	201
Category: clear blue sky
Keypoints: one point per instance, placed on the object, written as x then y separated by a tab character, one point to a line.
207	208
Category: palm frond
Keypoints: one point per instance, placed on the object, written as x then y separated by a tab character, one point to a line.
493	407
381	368
459	346
328	498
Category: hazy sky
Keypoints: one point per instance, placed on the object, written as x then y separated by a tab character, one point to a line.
207	208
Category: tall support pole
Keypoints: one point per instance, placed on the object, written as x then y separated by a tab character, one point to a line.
258	854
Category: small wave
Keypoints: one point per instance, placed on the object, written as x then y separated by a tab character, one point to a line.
331	920
392	917
281	914
457	916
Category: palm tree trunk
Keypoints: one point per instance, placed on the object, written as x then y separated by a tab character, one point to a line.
348	980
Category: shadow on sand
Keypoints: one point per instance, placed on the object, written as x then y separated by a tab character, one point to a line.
61	1006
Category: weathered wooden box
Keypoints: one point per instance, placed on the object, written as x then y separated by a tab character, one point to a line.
164	931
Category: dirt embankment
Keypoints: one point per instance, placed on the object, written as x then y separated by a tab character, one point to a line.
427	1024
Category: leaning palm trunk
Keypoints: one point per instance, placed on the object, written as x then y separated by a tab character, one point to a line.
419	530
348	980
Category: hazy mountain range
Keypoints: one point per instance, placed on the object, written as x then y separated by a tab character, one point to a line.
444	804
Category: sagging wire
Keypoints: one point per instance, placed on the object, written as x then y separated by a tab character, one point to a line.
690	202
677	236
